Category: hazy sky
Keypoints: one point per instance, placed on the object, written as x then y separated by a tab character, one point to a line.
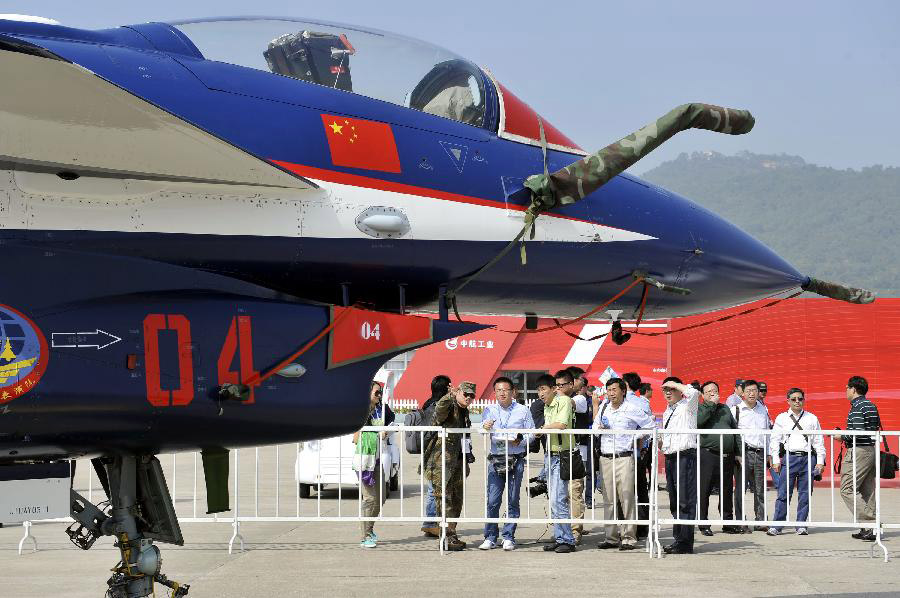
822	78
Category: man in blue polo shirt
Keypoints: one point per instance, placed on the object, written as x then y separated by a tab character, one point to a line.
506	461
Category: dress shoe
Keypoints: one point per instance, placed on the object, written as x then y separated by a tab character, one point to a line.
681	550
668	549
761	528
706	531
434	532
627	547
747	529
561	548
607	545
866	535
731	529
551	547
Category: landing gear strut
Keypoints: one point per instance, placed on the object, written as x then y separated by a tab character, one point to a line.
139	511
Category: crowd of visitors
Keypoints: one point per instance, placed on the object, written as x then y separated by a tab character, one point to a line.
745	444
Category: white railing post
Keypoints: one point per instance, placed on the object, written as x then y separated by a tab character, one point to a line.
27	526
236	522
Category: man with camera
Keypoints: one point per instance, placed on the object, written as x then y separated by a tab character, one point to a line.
559	415
617	459
506	460
793	453
565	386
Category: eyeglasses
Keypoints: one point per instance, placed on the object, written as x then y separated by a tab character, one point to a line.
796	400
558	384
469	395
378	394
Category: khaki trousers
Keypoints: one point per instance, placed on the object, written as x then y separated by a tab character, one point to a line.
576	502
863	501
620	470
372	497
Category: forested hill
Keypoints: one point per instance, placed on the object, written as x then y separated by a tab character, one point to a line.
841	225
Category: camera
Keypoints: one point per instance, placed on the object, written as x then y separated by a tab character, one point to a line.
537	488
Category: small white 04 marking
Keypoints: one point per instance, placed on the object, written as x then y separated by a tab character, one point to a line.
367	331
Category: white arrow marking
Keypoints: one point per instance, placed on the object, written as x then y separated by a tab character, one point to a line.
82	340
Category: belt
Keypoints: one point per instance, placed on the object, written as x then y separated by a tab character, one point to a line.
687	451
753	449
620	455
799	453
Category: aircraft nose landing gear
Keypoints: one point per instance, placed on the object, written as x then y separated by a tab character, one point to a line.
141	512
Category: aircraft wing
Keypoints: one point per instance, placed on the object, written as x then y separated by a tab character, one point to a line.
59	114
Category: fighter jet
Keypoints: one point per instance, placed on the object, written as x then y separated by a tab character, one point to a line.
213	232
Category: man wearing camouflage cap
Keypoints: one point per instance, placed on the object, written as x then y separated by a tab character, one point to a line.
451	411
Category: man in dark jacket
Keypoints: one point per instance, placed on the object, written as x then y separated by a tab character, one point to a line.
716	449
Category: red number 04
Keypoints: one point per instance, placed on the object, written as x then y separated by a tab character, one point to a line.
239	340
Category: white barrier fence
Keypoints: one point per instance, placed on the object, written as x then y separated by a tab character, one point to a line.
413	404
327	463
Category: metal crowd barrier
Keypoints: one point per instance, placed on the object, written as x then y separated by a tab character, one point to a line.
186	465
876	525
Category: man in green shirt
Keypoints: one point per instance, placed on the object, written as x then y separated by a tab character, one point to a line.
713	447
558	415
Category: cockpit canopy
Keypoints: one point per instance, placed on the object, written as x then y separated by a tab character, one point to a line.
388	67
385	66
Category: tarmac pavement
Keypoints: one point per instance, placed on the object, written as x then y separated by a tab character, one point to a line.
324	558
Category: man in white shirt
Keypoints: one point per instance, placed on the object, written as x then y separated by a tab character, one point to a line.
506	461
752	454
737	396
617	459
681	459
800	452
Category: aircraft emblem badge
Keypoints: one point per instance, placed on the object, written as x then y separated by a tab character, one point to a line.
23	354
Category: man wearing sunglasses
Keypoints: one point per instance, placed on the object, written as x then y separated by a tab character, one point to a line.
794	464
451	411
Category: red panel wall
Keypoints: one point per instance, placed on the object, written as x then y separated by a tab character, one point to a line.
814	344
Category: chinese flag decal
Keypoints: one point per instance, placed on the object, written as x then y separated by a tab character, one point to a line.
358	143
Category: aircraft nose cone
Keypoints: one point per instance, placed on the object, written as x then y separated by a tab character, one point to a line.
731	265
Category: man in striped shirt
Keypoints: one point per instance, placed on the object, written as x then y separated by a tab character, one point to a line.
858	483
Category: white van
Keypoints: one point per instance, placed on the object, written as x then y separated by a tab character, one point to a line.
329	462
